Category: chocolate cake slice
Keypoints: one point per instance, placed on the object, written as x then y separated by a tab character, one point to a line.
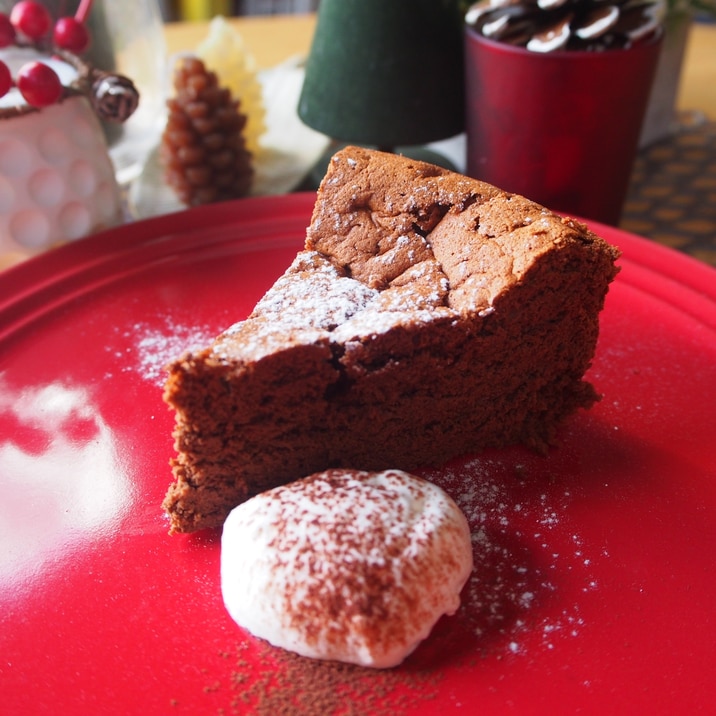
429	315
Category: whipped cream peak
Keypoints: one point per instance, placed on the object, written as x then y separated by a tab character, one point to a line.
346	565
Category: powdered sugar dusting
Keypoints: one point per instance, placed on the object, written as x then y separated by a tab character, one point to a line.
314	301
313	293
151	347
527	557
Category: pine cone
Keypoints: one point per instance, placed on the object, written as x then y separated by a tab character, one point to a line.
203	149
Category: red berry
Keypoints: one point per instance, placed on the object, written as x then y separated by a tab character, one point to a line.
39	84
72	35
31	18
7	31
5	79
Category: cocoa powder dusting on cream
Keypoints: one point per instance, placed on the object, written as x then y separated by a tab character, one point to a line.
373	592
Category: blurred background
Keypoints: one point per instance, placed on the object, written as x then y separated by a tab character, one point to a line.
204	9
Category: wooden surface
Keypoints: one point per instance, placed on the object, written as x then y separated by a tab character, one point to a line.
698	81
270	38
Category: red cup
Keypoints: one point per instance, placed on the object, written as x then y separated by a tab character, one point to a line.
561	128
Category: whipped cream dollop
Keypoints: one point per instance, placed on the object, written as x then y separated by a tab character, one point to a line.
346	565
549	25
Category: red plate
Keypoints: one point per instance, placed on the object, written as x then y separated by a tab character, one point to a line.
593	590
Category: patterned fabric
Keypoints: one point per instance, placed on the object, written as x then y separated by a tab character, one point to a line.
672	197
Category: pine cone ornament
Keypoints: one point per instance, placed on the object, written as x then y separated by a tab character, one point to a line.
203	148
